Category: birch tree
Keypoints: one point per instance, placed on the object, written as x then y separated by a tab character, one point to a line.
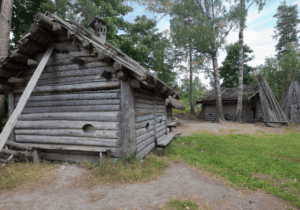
210	24
5	23
242	9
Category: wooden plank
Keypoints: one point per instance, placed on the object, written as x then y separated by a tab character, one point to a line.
144	144
144	117
144	130
82	116
65	124
67	140
165	141
128	121
107	134
57	109
74	87
20	146
143	111
73	103
24	98
11	108
70	147
145	151
173	124
144	137
154	111
143	124
5	88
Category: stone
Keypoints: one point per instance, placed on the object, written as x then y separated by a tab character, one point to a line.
160	151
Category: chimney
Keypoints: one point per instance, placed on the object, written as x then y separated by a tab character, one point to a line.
100	28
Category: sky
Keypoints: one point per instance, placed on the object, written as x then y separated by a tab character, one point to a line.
258	35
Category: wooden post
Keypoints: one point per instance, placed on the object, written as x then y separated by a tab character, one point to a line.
36	155
9	126
128	121
155	133
11	108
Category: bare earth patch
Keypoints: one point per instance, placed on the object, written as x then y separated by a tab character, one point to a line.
69	191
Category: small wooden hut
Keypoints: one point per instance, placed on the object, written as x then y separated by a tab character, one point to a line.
259	104
172	103
290	101
84	95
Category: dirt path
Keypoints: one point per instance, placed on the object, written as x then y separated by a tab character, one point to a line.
69	191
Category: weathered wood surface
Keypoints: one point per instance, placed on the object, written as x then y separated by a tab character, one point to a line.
70	132
144	137
143	111
144	117
143	105
16	80
142	131
143	95
64	124
143	124
76	60
165	141
106	75
143	100
144	144
88	116
146	150
128	121
12	152
66	61
20	146
172	124
74	103
6	74
36	155
11	108
67	140
113	94
74	87
66	47
134	83
121	76
5	88
69	147
24	98
56	109
160	133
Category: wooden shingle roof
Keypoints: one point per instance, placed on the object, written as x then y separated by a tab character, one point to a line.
174	103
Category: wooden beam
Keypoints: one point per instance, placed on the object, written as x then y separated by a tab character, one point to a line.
36	155
6	88
66	47
106	75
164	89
43	20
128	119
9	126
151	80
134	83
18	56
56	27
76	60
121	76
16	80
117	66
13	66
85	44
37	31
101	55
27	44
32	63
6	74
11	108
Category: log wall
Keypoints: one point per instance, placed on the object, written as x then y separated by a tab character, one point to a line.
150	120
169	114
72	105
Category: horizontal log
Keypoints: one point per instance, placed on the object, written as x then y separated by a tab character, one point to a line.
117	66
61	56
14	66
121	76
144	130
43	20
143	95
64	124
16	80
69	147
66	61
160	133
135	84
76	60
12	152
106	75
32	63
88	116
144	117
74	87
143	124
71	132
75	96
143	111
144	105
18	57
56	27
57	109
31	47
66	47
143	100
73	103
161	138
44	37
160	128
144	144
6	88
146	151
144	137
160	114
160	110
19	146
67	140
148	92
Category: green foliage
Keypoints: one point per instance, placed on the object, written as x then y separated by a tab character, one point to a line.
178	204
267	162
286	29
280	79
199	90
23	14
230	67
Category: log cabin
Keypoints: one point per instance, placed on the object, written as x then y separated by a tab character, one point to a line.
290	101
259	104
74	97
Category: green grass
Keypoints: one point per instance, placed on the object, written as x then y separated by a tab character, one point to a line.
178	204
128	172
14	174
267	162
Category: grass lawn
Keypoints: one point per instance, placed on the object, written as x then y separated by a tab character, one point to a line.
267	162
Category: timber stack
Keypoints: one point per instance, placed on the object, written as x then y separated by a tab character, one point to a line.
85	97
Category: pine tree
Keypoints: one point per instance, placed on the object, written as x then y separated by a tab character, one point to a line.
286	27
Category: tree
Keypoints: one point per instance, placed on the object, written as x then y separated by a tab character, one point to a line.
5	23
241	11
230	67
202	25
286	28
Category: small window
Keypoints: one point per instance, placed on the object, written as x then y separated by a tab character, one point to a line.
101	29
89	129
147	126
160	121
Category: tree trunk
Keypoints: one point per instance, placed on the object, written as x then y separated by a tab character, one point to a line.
238	115
5	23
191	83
219	107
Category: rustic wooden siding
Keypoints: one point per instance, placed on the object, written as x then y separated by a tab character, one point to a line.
248	112
169	114
73	105
161	117
258	109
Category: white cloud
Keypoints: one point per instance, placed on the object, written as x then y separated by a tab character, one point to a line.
297	2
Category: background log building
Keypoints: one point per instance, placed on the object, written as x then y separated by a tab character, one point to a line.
90	98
